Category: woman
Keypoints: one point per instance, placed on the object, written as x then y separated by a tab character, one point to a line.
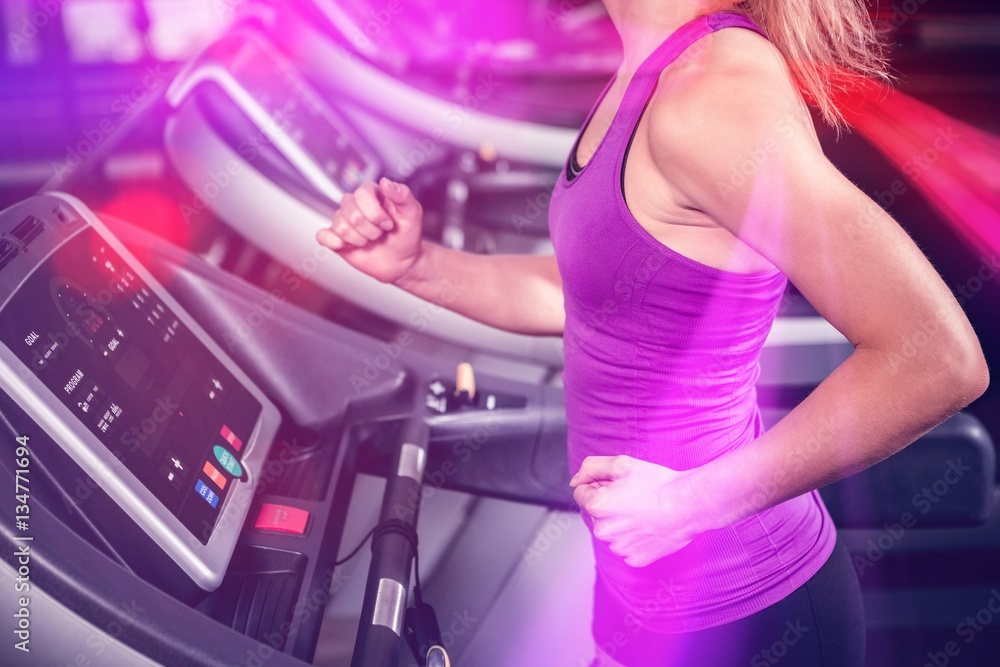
712	545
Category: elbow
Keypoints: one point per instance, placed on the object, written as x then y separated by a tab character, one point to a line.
944	377
969	374
977	379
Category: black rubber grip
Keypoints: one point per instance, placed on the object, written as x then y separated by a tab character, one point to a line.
378	644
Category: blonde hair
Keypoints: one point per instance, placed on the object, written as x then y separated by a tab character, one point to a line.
831	46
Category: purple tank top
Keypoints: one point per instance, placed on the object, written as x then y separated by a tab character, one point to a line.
661	361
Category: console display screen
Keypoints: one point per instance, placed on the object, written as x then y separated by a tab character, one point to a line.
113	353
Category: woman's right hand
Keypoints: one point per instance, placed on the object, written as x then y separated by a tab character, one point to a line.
377	230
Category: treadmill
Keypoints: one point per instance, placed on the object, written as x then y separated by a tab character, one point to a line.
184	485
163	494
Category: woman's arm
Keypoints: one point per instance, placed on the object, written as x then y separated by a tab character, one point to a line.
519	293
378	231
917	359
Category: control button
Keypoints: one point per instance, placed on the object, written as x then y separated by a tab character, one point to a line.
206	493
172	475
437	403
213	474
465	382
282	519
228	461
230	437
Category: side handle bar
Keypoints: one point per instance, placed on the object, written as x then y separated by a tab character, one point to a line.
393	544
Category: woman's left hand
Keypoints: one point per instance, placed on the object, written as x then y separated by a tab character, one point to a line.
641	509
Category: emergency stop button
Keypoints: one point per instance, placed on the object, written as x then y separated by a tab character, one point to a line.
282	519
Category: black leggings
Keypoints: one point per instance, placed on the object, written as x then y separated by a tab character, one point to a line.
821	624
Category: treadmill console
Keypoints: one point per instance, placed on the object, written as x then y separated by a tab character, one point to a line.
128	385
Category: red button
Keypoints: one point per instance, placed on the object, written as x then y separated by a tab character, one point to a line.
231	437
282	519
214	475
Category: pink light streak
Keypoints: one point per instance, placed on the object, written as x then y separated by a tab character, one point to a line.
954	165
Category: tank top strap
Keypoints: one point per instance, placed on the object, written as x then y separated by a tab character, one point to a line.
644	80
733	20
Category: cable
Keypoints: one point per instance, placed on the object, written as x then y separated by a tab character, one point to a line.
406	530
355	550
400	528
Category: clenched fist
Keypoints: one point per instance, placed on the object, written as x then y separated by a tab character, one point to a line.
377	230
640	509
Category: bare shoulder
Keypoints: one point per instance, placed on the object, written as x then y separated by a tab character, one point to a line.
731	94
735	66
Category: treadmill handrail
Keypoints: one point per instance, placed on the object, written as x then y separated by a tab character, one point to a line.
187	82
534	143
380	628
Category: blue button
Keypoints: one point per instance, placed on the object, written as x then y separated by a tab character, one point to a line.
206	493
